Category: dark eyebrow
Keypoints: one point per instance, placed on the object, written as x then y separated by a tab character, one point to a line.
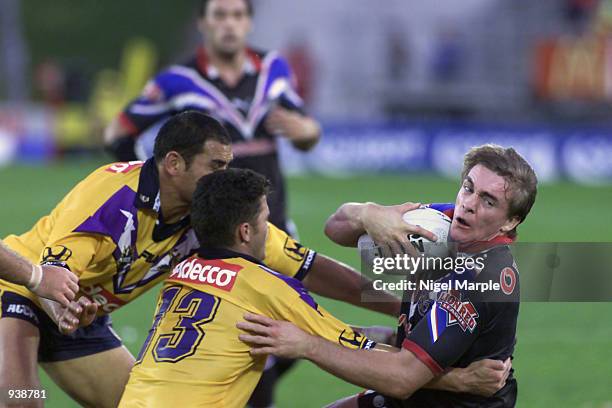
221	162
469	179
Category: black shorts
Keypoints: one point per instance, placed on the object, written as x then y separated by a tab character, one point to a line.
373	399
425	398
54	346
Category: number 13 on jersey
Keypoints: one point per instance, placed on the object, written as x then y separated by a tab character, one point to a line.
178	326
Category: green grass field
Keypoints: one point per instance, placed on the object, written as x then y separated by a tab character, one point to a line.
562	354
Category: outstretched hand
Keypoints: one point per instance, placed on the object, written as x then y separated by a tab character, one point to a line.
269	336
388	229
58	284
486	377
77	314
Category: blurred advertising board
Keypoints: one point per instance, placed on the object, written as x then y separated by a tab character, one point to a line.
579	154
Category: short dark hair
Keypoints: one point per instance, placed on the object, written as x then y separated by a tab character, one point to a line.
223	200
186	133
204	7
521	180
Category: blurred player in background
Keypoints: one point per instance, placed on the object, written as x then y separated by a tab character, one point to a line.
48	281
192	354
250	91
449	328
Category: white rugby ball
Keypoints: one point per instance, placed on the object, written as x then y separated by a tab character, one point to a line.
427	218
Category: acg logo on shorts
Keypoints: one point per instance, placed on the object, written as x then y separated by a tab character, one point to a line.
215	273
24	310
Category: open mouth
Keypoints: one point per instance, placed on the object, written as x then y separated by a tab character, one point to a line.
461	221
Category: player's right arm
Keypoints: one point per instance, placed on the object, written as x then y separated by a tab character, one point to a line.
401	375
292	302
383	223
397	373
47	281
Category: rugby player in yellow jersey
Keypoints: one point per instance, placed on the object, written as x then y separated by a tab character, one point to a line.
121	230
193	356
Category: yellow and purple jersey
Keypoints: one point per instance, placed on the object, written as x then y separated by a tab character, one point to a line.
193	356
109	230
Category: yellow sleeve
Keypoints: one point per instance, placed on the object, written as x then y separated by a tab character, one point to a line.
77	249
287	256
306	314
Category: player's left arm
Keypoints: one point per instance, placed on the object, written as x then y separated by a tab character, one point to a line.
303	131
335	280
288	119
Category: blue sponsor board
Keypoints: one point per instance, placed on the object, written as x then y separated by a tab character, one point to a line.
580	154
361	147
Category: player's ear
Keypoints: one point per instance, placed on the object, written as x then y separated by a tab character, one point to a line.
510	224
174	163
244	233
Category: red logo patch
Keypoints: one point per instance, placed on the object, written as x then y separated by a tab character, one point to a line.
507	280
106	300
462	313
221	275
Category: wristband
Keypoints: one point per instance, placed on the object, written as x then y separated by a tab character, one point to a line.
35	278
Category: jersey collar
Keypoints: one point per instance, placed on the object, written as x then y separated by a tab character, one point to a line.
482	246
252	63
148	198
224	253
148	187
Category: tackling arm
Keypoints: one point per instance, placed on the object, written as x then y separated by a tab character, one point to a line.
394	373
335	280
391	371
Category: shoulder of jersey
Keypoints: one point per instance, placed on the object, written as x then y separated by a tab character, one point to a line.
114	175
262	278
119	169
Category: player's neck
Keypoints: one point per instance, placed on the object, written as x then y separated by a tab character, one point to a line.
230	67
172	206
241	249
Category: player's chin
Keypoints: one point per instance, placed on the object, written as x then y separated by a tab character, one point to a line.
230	45
460	234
